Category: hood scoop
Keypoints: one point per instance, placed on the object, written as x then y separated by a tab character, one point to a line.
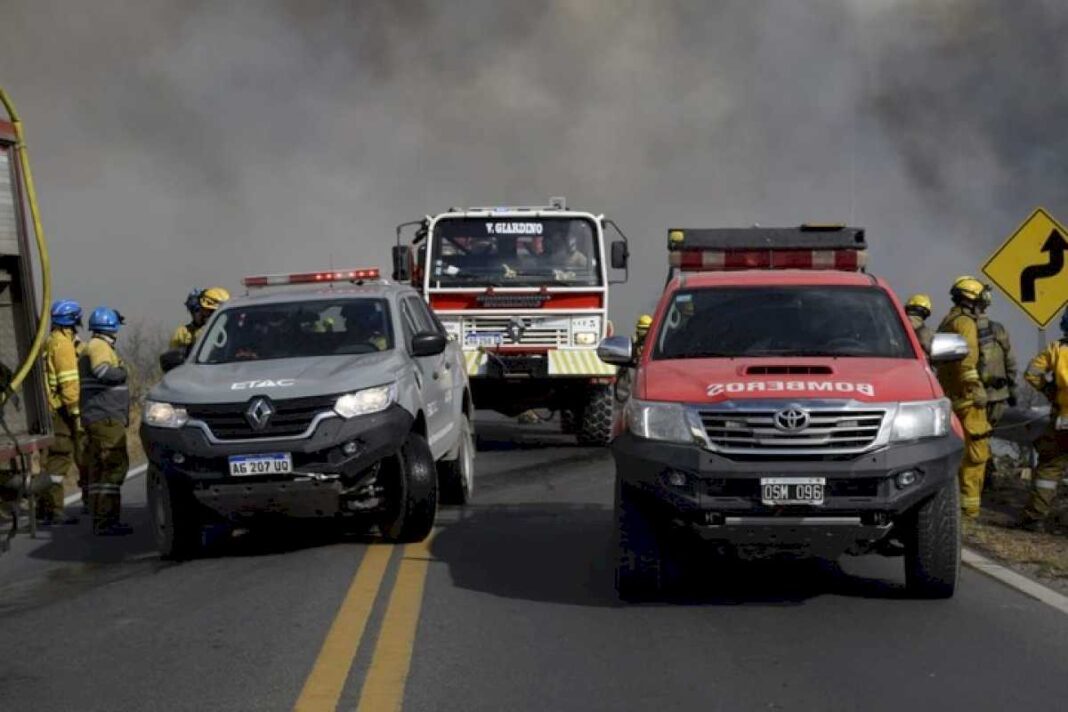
788	370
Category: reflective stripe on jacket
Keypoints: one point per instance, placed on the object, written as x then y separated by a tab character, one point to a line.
61	369
105	394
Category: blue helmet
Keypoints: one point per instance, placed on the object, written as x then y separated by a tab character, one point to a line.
192	302
66	312
104	320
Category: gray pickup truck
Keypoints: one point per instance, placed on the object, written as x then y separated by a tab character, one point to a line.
342	401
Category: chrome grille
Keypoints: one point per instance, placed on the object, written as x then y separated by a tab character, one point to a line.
537	331
292	417
754	431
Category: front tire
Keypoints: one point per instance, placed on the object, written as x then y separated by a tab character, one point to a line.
596	425
457	477
412	492
932	547
176	523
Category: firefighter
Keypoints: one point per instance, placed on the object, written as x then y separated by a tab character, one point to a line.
1048	373
641	330
964	387
61	368
105	399
207	302
997	365
918	309
192	301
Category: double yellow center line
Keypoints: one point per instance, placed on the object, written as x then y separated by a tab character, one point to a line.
383	687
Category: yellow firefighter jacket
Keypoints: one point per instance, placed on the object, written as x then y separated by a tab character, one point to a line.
961	380
105	394
61	369
184	336
1053	361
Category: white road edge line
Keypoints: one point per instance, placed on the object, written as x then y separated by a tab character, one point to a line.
1014	580
133	473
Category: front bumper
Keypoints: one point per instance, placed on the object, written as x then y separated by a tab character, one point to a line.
721	497
323	473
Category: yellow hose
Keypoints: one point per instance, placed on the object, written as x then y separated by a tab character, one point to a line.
42	251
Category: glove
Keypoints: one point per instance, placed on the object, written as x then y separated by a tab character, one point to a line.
1012	400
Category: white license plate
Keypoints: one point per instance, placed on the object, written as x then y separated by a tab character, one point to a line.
777	491
270	463
485	339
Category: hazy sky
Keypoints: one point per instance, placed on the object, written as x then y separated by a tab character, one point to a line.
188	143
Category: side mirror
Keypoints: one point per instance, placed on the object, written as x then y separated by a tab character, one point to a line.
401	259
617	351
620	255
948	347
428	343
171	360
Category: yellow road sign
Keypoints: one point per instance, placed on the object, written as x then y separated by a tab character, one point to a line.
1030	267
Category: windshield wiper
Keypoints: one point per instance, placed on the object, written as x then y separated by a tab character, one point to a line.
704	354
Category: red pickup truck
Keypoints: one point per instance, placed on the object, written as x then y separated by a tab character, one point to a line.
782	404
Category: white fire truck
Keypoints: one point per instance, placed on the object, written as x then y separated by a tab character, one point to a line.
524	290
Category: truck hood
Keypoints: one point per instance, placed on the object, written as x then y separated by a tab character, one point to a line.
279	378
871	380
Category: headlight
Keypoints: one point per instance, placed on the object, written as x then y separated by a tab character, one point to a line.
585	338
922	419
662	421
164	415
369	400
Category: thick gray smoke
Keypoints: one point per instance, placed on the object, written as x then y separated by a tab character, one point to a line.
183	144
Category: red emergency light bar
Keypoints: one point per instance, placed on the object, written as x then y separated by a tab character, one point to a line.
727	260
347	275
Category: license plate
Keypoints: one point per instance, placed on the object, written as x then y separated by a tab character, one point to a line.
485	339
271	463
776	491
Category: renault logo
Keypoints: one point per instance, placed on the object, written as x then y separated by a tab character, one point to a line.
259	413
791	420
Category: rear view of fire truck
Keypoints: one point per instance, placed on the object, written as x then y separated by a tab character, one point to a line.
524	291
25	427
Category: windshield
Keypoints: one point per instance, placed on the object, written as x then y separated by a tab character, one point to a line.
782	321
520	252
327	327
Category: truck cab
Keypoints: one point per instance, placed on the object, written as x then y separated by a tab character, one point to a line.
782	405
524	292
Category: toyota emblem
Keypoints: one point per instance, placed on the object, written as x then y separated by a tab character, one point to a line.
259	413
791	420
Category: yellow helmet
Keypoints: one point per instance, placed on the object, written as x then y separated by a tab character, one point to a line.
642	325
967	287
919	302
212	298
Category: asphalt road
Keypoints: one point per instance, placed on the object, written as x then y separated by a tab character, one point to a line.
509	607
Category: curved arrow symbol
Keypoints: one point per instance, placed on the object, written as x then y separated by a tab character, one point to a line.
1055	245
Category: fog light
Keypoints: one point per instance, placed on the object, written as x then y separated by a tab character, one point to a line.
178	458
350	447
906	479
676	479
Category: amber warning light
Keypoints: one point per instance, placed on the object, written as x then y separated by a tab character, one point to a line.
345	275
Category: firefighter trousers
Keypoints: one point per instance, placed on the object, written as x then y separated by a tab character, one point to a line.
976	454
1052	463
107	462
67	450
